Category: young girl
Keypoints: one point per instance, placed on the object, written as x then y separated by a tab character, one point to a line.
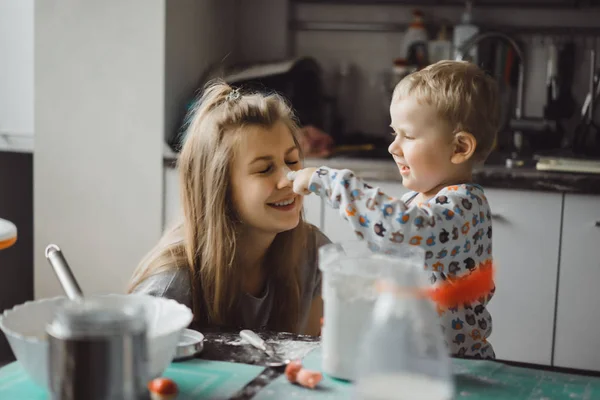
242	255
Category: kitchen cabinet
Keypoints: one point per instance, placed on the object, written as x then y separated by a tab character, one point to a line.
526	238
313	210
337	229
578	311
16	262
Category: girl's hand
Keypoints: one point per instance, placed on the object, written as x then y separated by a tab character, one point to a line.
301	180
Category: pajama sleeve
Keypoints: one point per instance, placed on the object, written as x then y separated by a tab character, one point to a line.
447	226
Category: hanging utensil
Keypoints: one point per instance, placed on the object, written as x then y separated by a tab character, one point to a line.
592	76
588	97
585	139
550	109
565	72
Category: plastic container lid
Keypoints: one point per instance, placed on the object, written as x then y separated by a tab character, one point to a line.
190	343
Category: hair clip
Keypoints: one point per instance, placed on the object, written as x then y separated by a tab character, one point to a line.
234	95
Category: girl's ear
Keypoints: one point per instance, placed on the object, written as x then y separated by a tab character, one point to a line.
464	147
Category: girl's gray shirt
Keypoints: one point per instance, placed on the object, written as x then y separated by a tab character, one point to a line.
175	284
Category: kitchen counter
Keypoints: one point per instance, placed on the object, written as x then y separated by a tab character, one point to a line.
489	175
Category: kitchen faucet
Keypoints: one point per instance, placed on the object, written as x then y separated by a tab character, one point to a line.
519	123
473	41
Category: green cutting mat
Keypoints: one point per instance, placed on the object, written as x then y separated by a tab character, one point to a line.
500	381
197	379
475	380
328	388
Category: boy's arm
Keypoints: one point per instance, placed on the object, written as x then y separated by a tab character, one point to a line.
448	224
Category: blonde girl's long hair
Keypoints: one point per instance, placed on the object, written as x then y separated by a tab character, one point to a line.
204	243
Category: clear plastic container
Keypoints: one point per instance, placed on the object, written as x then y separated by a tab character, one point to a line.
351	271
402	354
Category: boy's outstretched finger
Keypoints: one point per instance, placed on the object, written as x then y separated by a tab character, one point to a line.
291	175
299	187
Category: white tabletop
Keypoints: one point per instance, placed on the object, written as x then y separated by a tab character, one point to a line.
8	230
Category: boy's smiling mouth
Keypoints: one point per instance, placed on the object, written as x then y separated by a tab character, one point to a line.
404	169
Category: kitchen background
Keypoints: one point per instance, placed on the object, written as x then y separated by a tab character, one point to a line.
86	162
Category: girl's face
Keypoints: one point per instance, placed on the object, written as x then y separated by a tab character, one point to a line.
262	194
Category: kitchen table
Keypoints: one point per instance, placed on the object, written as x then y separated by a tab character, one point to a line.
228	368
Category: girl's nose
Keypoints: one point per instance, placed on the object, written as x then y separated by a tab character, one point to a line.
284	181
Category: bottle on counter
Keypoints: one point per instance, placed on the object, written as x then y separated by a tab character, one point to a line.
441	48
400	69
465	31
415	42
346	94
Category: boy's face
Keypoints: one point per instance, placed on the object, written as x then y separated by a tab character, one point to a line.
423	146
262	194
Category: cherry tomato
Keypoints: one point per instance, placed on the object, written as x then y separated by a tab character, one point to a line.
162	386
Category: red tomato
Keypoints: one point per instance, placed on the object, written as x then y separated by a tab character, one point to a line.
162	386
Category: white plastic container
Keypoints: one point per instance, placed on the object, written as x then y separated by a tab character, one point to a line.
350	273
441	48
465	31
415	42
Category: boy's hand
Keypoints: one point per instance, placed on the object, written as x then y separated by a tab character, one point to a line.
301	180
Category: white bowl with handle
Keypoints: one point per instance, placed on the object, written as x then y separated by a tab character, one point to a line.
25	328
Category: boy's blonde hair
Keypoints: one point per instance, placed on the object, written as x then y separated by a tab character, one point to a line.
463	95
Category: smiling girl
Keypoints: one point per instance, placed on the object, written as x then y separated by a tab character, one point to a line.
242	256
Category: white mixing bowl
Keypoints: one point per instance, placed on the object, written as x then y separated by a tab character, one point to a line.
25	328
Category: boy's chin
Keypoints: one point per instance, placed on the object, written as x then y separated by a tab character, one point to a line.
413	186
410	184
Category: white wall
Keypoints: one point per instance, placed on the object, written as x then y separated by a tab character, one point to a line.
16	73
197	36
373	52
262	30
99	117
